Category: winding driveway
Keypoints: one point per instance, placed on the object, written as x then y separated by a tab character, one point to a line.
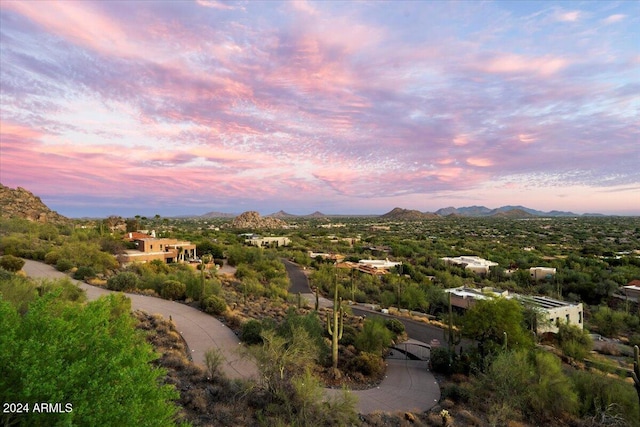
408	386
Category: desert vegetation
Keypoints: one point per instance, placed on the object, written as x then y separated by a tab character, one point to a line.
594	257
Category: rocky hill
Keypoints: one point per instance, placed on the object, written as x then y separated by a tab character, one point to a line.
399	214
282	214
253	220
20	203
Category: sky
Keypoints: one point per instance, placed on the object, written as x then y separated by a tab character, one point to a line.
186	107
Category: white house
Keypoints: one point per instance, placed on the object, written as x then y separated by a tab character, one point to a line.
476	264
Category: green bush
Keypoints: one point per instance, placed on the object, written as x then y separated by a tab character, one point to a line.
52	257
124	281
11	263
250	332
395	326
599	393
63	265
84	272
367	364
574	342
440	358
374	337
456	392
173	290
213	304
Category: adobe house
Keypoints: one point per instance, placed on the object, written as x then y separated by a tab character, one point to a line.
150	248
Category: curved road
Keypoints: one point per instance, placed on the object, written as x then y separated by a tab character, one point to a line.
408	385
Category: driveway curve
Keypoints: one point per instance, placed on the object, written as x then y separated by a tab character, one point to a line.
408	385
201	331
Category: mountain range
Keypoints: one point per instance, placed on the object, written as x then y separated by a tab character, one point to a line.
21	203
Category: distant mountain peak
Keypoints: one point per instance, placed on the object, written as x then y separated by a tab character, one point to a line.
400	214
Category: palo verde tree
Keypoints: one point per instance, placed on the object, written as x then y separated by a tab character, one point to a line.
496	323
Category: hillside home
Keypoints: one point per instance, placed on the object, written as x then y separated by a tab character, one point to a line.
149	248
554	312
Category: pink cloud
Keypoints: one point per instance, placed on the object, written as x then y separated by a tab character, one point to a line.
512	63
480	162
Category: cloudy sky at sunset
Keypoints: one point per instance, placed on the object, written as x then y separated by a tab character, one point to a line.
185	107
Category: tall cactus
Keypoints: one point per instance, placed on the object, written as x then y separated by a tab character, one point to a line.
452	336
636	374
335	330
317	299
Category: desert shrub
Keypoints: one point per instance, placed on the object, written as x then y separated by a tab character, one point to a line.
348	335
440	360
367	364
457	392
213	359
159	266
574	342
598	394
124	281
66	289
530	383
395	326
173	290
52	257
64	264
11	263
213	304
250	332
84	272
374	336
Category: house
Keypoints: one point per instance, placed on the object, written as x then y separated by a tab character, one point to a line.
476	264
554	312
262	242
378	264
149	248
375	267
540	273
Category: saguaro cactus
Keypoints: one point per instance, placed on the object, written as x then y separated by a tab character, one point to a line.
636	373
317	299
335	330
452	335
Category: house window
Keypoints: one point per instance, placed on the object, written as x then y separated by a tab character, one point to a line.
579	317
151	247
568	319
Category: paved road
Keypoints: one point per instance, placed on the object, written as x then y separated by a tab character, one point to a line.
408	385
201	331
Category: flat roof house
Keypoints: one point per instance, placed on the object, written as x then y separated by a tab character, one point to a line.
150	248
474	263
555	311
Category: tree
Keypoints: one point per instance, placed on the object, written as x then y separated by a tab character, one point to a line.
87	357
496	323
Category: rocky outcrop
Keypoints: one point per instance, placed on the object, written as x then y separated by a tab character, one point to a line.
399	214
253	220
20	203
